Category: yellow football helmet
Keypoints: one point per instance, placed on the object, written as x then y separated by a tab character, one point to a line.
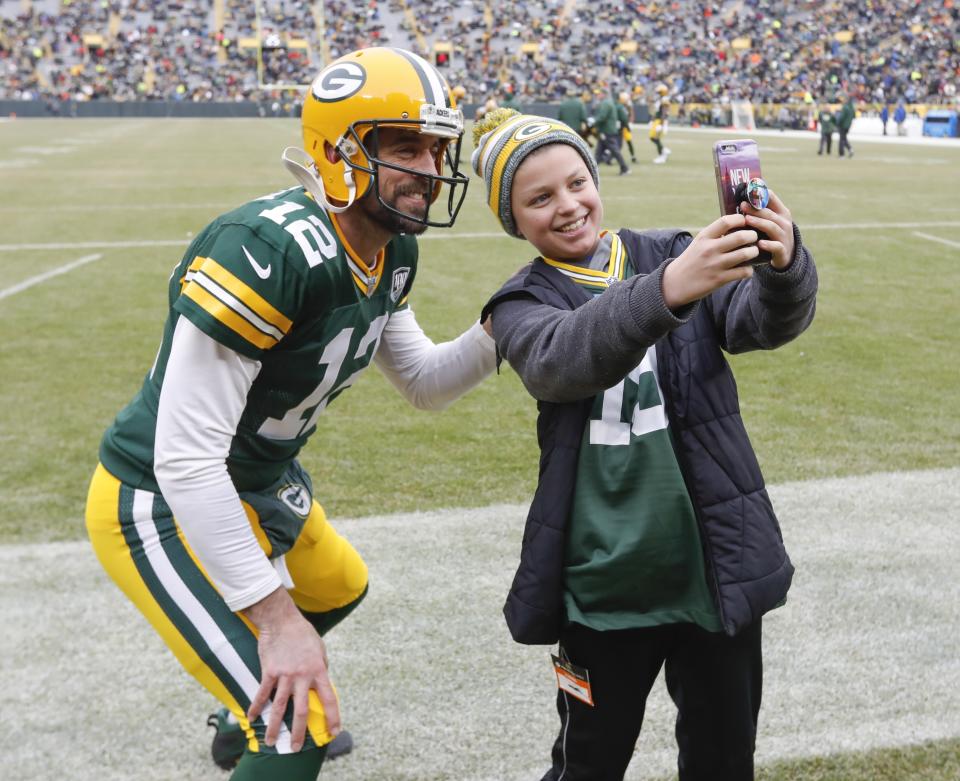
346	105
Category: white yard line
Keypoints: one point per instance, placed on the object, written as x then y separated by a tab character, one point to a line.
56	272
448	236
928	237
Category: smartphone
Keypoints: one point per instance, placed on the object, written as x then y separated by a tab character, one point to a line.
735	163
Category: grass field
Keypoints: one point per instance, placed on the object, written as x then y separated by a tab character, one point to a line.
872	387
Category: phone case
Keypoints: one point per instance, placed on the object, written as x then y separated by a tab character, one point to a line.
735	163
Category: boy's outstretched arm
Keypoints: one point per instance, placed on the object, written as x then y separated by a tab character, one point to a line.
778	302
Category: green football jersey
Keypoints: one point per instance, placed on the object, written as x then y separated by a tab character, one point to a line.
275	281
633	556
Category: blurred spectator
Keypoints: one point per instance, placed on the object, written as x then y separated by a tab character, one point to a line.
610	117
844	121
573	112
899	117
826	122
708	52
626	120
509	99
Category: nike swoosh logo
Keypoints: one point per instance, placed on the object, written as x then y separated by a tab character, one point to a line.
262	271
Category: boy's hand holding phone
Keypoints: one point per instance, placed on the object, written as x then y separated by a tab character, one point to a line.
776	223
722	252
737	167
726	251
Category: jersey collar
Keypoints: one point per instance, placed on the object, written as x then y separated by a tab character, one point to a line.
597	279
365	277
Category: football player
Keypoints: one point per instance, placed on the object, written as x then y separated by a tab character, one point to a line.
198	508
658	124
625	131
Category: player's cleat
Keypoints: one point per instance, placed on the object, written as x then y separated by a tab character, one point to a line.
666	151
340	745
660	159
229	741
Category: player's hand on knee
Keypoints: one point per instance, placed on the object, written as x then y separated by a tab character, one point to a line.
293	662
715	257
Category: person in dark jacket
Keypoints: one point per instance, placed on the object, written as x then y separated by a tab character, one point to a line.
610	116
651	541
827	123
573	112
844	122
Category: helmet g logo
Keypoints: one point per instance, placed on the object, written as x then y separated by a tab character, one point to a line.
532	130
339	81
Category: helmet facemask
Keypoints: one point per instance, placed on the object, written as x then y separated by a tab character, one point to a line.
360	151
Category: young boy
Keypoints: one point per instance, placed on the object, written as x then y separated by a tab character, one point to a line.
650	540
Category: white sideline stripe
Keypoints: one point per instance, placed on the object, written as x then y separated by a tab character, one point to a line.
27	283
201	620
881	225
928	237
453	236
865	654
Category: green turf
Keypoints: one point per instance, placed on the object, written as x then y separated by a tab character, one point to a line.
933	761
872	386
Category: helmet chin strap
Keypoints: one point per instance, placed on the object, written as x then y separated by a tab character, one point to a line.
303	171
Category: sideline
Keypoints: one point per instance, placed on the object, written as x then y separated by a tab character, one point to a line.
862	135
866	652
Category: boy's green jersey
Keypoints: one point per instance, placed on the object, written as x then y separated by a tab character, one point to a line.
275	281
633	553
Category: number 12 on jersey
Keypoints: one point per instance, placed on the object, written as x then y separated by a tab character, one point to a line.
611	428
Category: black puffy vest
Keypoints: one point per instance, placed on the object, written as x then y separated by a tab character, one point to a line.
747	567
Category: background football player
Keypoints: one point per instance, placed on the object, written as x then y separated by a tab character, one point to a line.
658	123
198	509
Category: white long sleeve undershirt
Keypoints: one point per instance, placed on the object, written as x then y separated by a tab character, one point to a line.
431	376
202	400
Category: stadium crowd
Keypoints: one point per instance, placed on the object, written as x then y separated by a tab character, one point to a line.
878	51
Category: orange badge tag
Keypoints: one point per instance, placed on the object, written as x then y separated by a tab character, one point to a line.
573	680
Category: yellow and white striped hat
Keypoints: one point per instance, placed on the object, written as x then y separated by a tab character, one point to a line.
503	139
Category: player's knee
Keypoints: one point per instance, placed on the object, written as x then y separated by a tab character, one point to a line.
327	575
324	621
355	575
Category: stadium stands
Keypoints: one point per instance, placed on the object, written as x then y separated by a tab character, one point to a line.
709	53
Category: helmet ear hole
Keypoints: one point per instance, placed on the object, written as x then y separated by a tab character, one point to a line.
330	152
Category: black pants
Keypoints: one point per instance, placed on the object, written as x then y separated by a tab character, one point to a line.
609	146
844	144
714	680
825	141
